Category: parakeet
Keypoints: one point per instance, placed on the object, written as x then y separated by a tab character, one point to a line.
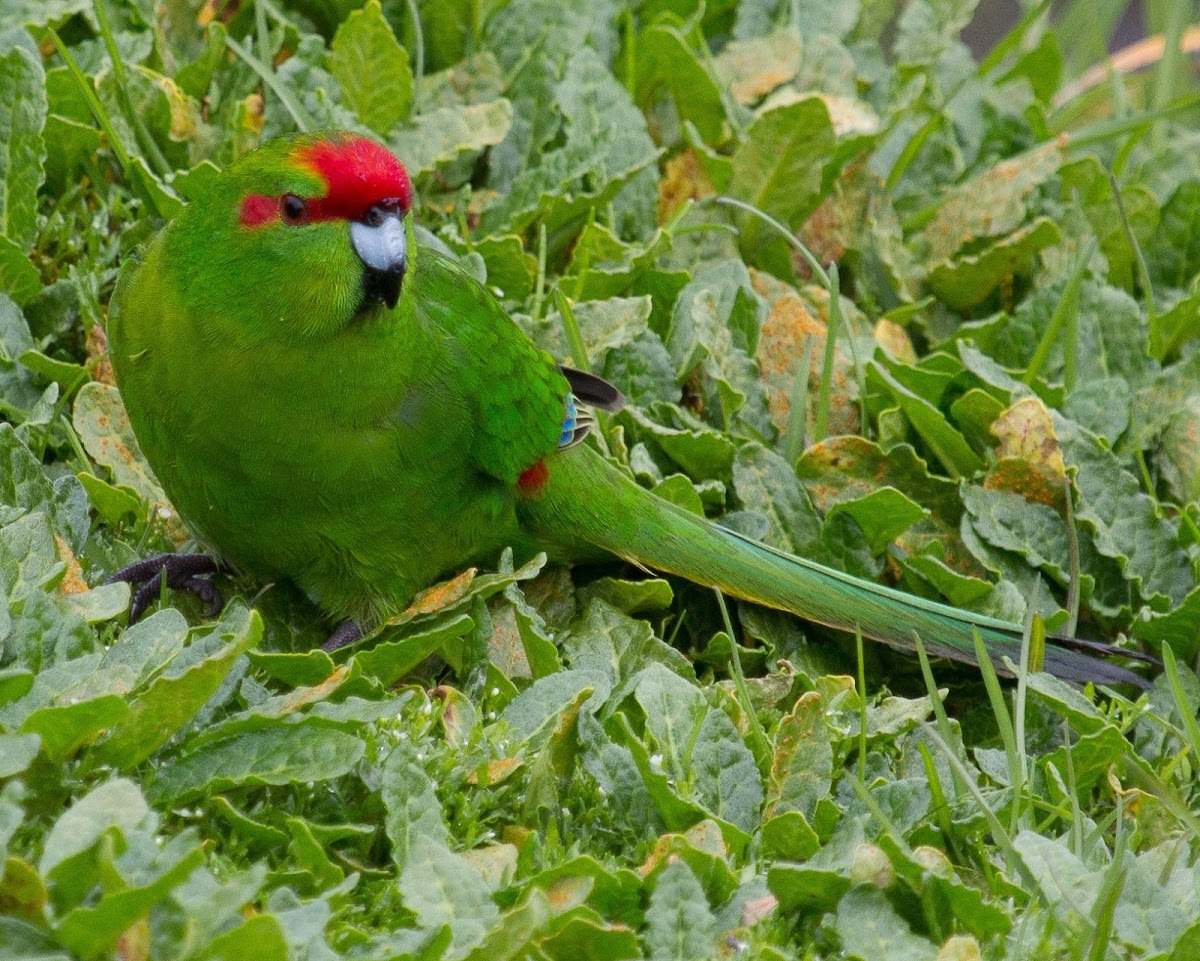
325	402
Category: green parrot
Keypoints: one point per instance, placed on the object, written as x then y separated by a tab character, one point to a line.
326	403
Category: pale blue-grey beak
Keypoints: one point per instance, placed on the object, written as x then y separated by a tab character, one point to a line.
381	245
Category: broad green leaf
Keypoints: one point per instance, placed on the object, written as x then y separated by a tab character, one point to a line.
284	755
532	713
666	61
581	936
932	877
883	515
1188	943
603	265
607	641
1174	257
1178	628
30	557
90	929
700	745
802	766
433	141
1126	524
517	930
65	727
992	204
1009	521
727	780
372	69
259	938
441	888
1088	181
927	28
18	392
778	166
615	771
701	452
1069	886
804	888
389	661
533	41
15	683
679	924
17	752
1174	327
946	442
173	699
606	143
765	483
19	279
970	279
789	837
715	327
23	111
674	711
871	928
37	13
604	325
413	810
630	597
24	487
115	804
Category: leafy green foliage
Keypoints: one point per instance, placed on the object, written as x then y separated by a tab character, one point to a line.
537	762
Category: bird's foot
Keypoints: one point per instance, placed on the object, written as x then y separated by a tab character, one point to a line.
344	634
186	571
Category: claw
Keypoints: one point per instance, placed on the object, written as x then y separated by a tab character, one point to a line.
207	592
345	633
186	571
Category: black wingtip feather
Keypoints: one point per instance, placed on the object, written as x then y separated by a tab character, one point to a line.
593	391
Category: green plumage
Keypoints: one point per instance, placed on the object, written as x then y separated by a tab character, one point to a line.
363	452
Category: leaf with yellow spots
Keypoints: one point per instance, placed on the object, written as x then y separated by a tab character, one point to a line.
685	179
991	204
495	772
753	68
103	426
790	320
441	595
1031	461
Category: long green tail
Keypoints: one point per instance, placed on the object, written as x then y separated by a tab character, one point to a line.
587	499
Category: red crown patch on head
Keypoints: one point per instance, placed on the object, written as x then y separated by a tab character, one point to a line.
358	173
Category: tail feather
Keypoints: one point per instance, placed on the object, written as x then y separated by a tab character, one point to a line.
585	498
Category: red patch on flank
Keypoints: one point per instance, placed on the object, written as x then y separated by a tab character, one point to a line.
533	479
358	173
257	209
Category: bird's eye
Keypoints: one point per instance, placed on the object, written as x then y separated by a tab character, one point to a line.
294	210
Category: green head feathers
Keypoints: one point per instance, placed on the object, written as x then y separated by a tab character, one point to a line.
300	237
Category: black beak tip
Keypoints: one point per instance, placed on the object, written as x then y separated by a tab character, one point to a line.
382	285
